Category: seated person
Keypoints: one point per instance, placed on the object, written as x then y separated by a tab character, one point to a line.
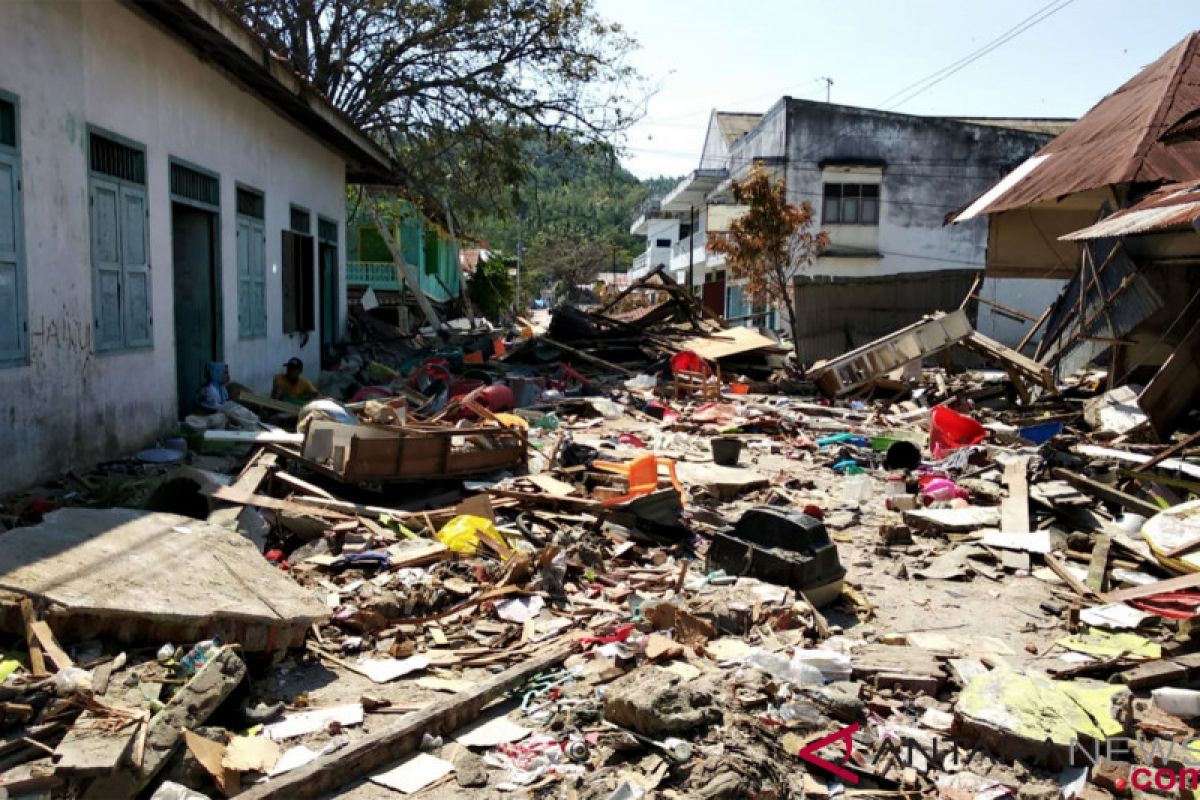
292	386
214	407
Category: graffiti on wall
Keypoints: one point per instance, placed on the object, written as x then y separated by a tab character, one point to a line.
63	332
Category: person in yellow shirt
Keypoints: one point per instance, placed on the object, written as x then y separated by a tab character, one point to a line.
292	386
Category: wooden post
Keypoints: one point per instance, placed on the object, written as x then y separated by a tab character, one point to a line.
405	272
390	744
462	275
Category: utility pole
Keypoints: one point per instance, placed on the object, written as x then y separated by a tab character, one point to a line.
828	86
517	288
691	250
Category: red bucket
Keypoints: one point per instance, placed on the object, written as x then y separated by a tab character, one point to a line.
949	430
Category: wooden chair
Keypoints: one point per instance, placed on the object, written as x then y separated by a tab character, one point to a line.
692	374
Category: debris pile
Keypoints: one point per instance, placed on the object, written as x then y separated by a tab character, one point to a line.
637	557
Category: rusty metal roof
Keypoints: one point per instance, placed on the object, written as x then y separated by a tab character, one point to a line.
1117	142
1172	206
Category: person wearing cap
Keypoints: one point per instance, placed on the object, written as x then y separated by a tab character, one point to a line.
292	386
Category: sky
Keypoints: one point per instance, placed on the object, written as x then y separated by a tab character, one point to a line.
697	55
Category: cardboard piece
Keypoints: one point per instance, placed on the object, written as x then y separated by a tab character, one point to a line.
414	773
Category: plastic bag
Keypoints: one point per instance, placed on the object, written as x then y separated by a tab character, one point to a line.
462	533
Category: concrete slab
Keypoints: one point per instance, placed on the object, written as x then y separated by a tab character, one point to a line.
151	577
724	482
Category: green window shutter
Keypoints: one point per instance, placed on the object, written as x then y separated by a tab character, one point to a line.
371	246
258	278
432	253
12	289
245	287
106	263
411	242
135	263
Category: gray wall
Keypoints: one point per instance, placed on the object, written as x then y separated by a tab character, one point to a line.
932	165
839	314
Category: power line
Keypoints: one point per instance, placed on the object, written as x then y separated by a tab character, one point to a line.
928	82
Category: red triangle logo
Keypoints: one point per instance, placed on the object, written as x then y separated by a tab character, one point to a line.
809	753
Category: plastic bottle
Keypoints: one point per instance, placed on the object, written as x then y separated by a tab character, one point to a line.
856	489
199	655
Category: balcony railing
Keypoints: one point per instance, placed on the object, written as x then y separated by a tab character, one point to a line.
640	262
376	274
695	241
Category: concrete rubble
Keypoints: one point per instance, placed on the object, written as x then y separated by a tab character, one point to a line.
974	590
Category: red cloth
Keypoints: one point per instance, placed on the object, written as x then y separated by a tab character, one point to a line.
688	361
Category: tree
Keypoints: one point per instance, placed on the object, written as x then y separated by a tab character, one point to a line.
455	89
568	261
770	243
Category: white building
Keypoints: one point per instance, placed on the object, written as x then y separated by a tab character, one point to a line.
881	185
170	194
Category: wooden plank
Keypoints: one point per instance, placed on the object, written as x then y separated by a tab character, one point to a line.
1106	493
405	272
49	644
1081	588
552	485
280	406
1014	508
1176	464
37	663
383	747
1180	582
303	485
600	362
1173	450
231	495
1099	563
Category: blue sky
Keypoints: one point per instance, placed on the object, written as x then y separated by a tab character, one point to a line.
742	56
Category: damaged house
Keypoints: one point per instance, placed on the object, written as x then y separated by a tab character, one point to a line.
881	183
170	194
1111	205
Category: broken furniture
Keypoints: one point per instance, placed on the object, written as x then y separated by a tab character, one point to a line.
354	453
781	547
691	374
859	367
641	477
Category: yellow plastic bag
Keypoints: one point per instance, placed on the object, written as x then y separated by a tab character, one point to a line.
512	420
462	533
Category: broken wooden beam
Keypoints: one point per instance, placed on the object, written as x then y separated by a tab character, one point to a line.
37	662
600	362
1106	493
375	750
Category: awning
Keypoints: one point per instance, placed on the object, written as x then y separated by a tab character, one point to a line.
691	192
1174	206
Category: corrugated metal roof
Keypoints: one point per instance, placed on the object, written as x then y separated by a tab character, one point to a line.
1171	206
1119	140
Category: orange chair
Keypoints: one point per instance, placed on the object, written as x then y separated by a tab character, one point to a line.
641	477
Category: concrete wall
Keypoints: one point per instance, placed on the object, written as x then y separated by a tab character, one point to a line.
839	314
930	167
78	62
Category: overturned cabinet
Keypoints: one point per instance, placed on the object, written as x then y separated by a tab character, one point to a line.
361	453
781	547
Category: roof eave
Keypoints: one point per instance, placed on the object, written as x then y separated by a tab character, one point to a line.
223	40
